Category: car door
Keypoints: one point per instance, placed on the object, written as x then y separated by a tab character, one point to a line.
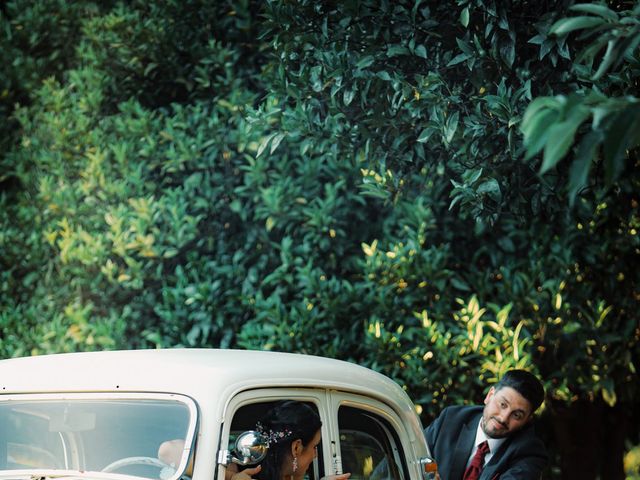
371	441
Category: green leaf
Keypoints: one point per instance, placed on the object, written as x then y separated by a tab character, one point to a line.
628	48
545	48
537	131
365	62
461	57
607	60
455	200
460	285
464	46
561	137
540	103
506	243
579	172
348	96
537	40
595	9
374	190
264	143
151	66
276	141
490	187
589	53
507	51
568	25
464	17
425	135
305	146
471	176
316	81
397	50
451	127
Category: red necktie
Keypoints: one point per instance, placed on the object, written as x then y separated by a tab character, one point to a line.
477	462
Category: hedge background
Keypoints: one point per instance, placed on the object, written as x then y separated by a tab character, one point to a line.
440	191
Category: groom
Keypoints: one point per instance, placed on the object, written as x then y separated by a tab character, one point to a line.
494	441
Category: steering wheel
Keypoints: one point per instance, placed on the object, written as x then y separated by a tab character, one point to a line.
123	462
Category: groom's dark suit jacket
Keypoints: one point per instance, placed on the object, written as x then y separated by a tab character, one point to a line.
521	456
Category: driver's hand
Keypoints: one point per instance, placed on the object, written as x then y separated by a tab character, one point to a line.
342	476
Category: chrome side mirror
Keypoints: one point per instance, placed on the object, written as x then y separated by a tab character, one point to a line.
251	448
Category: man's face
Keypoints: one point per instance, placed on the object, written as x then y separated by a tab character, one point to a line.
505	412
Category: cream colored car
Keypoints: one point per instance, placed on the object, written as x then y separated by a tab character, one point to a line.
104	415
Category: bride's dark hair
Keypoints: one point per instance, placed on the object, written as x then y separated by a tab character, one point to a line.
283	424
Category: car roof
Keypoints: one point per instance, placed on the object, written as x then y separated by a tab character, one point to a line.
198	373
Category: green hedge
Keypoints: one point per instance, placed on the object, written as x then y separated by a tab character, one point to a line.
427	189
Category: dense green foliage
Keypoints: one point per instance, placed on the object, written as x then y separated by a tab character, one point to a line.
438	190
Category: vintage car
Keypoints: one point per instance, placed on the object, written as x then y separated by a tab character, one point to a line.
104	415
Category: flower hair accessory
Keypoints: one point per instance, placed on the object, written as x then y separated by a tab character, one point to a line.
271	435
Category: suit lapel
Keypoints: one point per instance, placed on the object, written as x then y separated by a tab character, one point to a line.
488	472
463	447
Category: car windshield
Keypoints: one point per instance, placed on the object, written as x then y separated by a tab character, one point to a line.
117	434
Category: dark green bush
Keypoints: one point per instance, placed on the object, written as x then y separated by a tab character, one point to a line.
373	181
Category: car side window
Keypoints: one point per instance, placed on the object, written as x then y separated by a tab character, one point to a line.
246	417
369	447
27	443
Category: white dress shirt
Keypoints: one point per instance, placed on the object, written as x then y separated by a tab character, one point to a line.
494	444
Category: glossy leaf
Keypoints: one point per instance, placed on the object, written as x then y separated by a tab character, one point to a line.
568	25
581	166
595	9
464	17
560	138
